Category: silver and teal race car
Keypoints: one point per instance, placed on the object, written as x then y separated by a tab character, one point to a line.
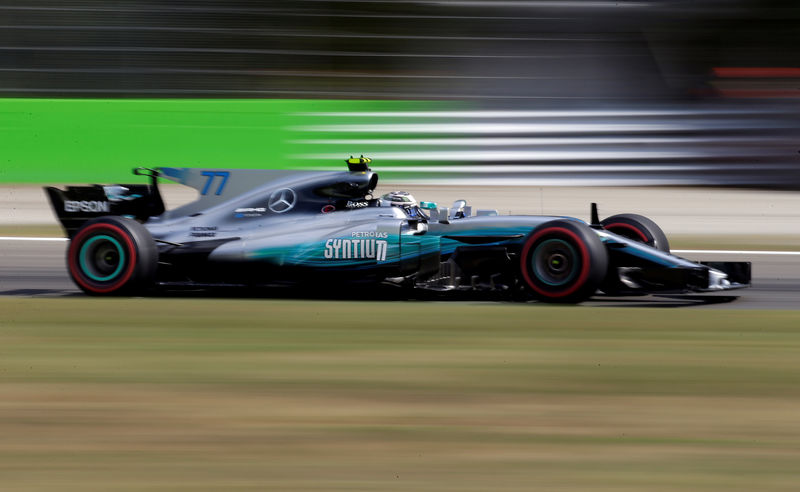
261	228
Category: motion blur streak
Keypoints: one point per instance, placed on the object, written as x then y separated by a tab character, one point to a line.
559	50
590	4
656	144
757	72
649	92
534	141
494	128
540	114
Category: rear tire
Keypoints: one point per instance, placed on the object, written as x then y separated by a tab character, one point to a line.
563	261
112	255
637	228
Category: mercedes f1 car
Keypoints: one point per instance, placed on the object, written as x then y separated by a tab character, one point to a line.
306	228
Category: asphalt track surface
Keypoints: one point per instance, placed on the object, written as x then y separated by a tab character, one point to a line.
36	267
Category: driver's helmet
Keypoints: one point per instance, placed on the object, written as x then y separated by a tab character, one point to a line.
402	199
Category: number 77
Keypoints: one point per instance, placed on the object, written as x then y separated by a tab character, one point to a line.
211	175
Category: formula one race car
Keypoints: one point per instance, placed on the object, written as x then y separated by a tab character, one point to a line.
304	228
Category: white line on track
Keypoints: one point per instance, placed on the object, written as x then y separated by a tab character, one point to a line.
678	251
728	252
12	238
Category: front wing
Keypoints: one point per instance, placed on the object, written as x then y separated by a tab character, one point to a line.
705	277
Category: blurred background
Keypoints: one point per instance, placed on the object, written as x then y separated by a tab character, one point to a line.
257	394
514	92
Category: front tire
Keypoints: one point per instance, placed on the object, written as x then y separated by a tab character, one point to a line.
637	228
563	261
112	256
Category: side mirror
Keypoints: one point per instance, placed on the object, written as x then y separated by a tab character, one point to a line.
458	209
417	226
427	205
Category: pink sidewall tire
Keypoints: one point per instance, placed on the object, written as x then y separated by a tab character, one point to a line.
112	256
563	261
637	228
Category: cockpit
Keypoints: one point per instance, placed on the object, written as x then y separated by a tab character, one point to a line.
405	201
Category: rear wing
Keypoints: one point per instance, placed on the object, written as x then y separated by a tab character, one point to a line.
78	204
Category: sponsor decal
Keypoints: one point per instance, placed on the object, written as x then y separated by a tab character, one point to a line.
249	212
358	204
210	176
378	235
346	249
203	231
93	206
282	200
328	209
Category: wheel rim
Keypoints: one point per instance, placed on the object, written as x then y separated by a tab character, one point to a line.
102	258
554	262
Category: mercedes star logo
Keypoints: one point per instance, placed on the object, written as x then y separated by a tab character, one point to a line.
282	200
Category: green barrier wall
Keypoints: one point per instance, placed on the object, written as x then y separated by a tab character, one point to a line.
95	140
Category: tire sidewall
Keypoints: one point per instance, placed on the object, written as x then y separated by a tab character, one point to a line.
135	245
589	255
637	228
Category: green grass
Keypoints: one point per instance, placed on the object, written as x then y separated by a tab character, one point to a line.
181	394
102	140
